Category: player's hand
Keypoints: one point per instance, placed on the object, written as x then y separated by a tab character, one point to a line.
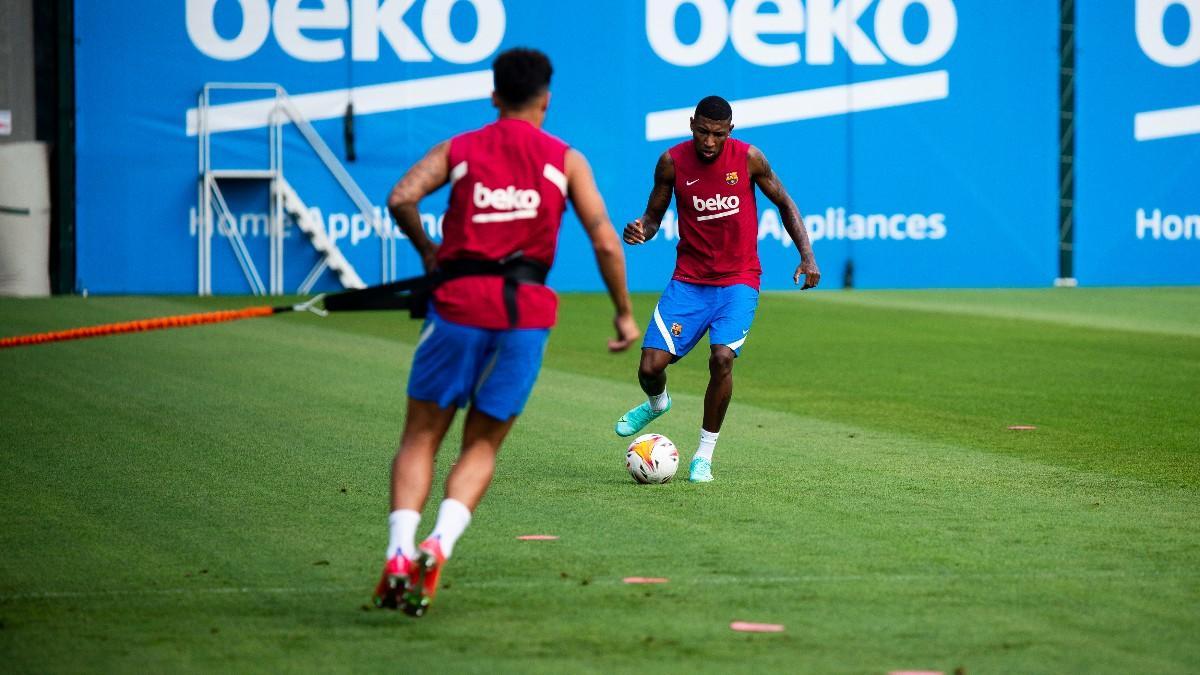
429	258
627	333
634	233
811	273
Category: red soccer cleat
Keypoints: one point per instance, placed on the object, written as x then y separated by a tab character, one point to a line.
397	574
423	582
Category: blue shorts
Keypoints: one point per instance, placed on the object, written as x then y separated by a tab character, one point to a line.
686	311
493	370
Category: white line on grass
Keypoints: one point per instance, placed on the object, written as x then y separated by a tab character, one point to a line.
610	581
1029	311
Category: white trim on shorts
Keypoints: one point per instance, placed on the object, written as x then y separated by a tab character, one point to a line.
485	374
662	328
425	335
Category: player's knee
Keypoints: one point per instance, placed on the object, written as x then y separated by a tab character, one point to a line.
650	369
649	372
721	362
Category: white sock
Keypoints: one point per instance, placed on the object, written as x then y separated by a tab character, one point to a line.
708	443
402	532
659	403
453	518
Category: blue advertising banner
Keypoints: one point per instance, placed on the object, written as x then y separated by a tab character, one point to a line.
1138	143
918	137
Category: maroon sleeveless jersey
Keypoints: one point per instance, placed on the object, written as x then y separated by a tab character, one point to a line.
508	192
718	218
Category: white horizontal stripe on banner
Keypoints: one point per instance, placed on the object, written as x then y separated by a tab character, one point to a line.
375	98
812	103
1166	123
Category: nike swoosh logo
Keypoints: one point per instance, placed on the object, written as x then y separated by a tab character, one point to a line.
694	180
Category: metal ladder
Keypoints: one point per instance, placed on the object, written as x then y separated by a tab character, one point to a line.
284	201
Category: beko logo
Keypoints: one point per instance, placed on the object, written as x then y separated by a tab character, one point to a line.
823	22
1150	26
367	20
506	199
725	206
1153	40
510	203
717	203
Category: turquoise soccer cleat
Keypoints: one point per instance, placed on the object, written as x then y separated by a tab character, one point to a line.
700	470
635	420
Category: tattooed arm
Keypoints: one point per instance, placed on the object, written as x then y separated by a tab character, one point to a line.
643	229
766	180
427	175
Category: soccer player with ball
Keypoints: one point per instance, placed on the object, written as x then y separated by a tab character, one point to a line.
491	313
715	285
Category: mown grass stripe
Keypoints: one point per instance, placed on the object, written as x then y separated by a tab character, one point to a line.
223	492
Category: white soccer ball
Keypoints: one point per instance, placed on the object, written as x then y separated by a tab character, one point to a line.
652	458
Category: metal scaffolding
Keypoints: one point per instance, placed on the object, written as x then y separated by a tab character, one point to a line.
215	216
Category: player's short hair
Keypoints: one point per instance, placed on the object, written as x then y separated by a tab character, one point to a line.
714	108
520	74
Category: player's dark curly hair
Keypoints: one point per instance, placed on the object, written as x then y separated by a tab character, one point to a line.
520	74
714	108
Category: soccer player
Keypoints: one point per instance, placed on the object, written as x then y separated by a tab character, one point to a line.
715	285
481	347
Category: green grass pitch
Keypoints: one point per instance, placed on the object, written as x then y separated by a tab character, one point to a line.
214	498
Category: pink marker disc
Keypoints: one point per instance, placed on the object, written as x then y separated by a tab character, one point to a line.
747	627
537	537
645	580
1015	427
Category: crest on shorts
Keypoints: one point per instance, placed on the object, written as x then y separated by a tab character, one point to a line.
676	329
731	178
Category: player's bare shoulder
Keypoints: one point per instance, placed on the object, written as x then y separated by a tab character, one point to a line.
664	171
429	173
576	166
757	162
